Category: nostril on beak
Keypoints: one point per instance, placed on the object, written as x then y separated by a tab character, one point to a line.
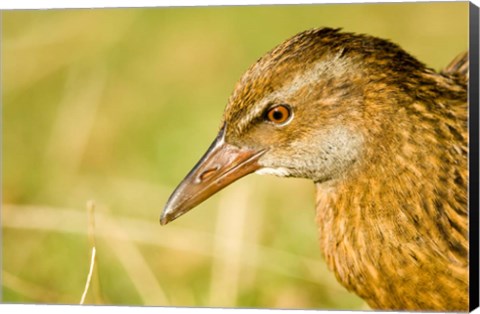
206	174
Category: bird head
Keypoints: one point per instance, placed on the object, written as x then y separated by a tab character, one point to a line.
299	111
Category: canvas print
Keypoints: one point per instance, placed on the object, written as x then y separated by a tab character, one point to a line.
283	157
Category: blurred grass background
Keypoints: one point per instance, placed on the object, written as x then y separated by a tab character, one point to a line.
117	105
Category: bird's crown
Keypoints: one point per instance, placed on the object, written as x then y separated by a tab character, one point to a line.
318	60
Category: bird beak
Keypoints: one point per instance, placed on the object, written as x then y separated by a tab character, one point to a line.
221	165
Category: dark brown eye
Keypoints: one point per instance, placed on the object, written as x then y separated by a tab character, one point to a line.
279	114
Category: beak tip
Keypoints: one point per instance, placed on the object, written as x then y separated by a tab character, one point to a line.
164	218
163	221
169	214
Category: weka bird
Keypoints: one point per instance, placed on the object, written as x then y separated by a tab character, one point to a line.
384	139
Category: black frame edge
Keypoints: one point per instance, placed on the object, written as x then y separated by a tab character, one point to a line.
473	156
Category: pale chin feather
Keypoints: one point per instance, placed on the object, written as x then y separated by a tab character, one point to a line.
281	172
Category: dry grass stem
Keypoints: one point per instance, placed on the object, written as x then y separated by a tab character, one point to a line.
97	294
91	240
89	277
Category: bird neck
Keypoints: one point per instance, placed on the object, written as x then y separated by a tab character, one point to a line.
404	204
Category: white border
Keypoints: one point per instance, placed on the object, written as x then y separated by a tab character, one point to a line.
59	4
76	309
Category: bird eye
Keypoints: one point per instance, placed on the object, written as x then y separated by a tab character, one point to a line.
279	114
